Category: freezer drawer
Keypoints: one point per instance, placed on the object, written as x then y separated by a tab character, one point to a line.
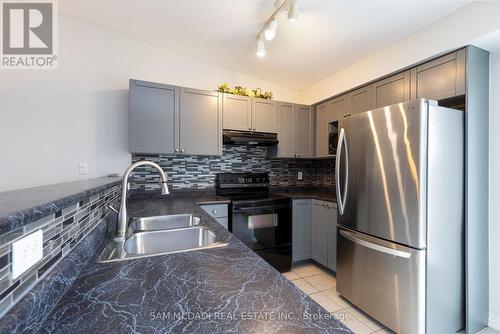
384	279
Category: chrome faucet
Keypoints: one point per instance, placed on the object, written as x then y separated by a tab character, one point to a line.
122	214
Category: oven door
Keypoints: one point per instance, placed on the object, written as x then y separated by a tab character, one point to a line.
263	226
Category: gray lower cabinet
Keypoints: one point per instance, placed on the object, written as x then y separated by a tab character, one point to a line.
392	90
332	235
219	212
301	234
200	127
319	233
440	78
153	110
315	231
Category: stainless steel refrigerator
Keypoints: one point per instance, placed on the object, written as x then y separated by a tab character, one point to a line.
399	179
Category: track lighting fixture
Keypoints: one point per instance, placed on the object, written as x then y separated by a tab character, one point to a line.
261	49
271	25
271	28
293	11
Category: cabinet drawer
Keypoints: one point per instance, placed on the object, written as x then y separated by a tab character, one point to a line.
216	210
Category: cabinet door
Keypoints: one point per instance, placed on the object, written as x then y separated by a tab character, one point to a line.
153	111
322	120
360	100
200	122
303	132
301	249
319	233
392	90
236	112
264	115
286	130
441	78
339	107
332	236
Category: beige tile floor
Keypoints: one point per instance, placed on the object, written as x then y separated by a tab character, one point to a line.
320	286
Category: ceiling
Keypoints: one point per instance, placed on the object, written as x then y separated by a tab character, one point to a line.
328	36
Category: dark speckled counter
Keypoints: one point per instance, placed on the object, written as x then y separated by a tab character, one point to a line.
303	193
220	290
20	207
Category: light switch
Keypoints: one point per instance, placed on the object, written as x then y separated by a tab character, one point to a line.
299	176
26	252
83	168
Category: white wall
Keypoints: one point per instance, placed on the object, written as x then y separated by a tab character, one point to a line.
51	120
458	29
494	193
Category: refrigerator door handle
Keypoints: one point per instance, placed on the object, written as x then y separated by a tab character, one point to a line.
377	247
341	199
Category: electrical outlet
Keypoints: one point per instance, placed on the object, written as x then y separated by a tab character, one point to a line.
83	168
299	176
26	252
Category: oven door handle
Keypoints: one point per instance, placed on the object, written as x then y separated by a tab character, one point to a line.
253	208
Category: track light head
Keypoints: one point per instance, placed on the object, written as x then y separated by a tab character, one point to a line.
261	49
271	28
293	11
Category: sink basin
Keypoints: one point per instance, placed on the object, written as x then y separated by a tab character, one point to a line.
164	222
159	242
166	241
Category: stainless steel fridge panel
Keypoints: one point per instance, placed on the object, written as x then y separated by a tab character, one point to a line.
381	173
385	280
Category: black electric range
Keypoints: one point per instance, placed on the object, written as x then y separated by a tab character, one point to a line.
261	220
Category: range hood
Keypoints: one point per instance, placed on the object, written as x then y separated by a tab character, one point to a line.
249	138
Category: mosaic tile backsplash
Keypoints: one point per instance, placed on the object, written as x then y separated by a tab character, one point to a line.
198	172
62	231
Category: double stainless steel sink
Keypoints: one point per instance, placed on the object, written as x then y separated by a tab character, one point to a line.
151	236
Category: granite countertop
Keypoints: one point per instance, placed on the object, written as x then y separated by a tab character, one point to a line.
227	289
20	207
304	193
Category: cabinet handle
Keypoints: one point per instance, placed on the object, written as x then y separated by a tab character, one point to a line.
182	150
349	114
298	155
214	211
345	115
249	128
176	150
253	129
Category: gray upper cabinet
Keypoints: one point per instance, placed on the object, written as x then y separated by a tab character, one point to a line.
360	100
294	131
332	235
301	249
154	109
392	90
440	78
249	114
319	233
237	112
340	107
286	130
264	115
303	131
322	123
200	122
